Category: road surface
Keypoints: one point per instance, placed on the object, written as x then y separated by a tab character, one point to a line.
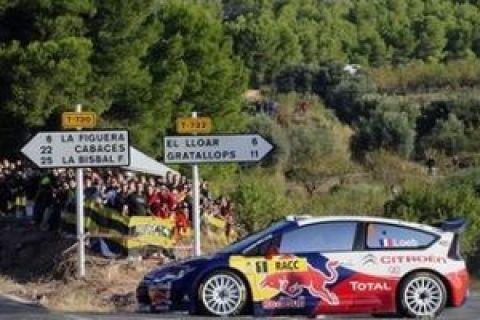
13	310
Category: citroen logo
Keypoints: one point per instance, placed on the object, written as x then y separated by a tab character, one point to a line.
369	259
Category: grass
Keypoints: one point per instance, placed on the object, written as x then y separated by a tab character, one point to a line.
8	286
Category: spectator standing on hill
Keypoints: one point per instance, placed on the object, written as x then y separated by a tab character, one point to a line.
181	219
153	201
111	192
91	191
41	200
121	200
136	201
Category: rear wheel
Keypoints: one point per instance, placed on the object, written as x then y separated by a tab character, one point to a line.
223	293
422	294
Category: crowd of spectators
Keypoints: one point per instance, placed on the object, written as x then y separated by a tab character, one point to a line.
43	195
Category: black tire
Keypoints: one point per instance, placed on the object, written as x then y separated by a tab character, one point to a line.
205	289
422	294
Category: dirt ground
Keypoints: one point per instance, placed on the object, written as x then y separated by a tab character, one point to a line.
41	266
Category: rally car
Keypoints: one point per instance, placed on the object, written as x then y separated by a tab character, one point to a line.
321	265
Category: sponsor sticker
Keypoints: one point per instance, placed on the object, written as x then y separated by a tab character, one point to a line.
369	259
160	294
412	259
284	303
370	286
292	283
393	243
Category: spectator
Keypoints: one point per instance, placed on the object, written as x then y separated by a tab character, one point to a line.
182	217
48	193
136	201
153	201
121	200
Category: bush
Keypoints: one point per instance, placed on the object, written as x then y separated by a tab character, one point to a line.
296	78
260	200
389	130
352	99
272	131
309	145
430	203
449	125
420	76
309	79
447	136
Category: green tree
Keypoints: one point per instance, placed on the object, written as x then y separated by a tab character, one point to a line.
59	53
431	33
193	69
121	33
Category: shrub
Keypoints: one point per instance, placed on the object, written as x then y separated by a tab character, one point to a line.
420	76
430	203
352	99
272	131
384	130
447	136
296	78
449	125
309	79
260	200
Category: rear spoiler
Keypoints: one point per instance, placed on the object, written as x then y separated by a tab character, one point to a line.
455	225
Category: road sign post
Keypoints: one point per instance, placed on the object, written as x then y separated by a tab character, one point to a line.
79	149
197	250
80	215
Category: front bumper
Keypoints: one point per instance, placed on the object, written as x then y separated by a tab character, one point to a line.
167	296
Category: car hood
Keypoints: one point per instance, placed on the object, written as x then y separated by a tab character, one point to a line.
178	269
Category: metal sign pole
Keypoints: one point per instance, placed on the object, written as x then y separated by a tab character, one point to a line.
80	216
196	207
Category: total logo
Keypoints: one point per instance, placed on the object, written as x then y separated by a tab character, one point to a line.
370	286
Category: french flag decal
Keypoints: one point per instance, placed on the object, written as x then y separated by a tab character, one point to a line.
387	242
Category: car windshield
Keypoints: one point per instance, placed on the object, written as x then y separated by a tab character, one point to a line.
239	245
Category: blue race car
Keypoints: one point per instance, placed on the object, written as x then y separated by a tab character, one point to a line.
311	266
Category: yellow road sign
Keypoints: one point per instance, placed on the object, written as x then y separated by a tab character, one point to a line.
194	125
79	120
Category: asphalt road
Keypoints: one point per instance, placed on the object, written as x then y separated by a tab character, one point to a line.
13	310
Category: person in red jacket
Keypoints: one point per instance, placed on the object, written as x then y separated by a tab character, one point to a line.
181	219
153	201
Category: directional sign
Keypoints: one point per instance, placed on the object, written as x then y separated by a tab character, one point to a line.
215	148
79	149
79	120
194	125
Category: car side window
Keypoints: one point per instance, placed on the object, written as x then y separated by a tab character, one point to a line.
380	235
262	248
321	237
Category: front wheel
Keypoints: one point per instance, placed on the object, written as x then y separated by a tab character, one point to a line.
423	294
223	293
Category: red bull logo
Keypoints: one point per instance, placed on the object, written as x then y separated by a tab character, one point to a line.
292	283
